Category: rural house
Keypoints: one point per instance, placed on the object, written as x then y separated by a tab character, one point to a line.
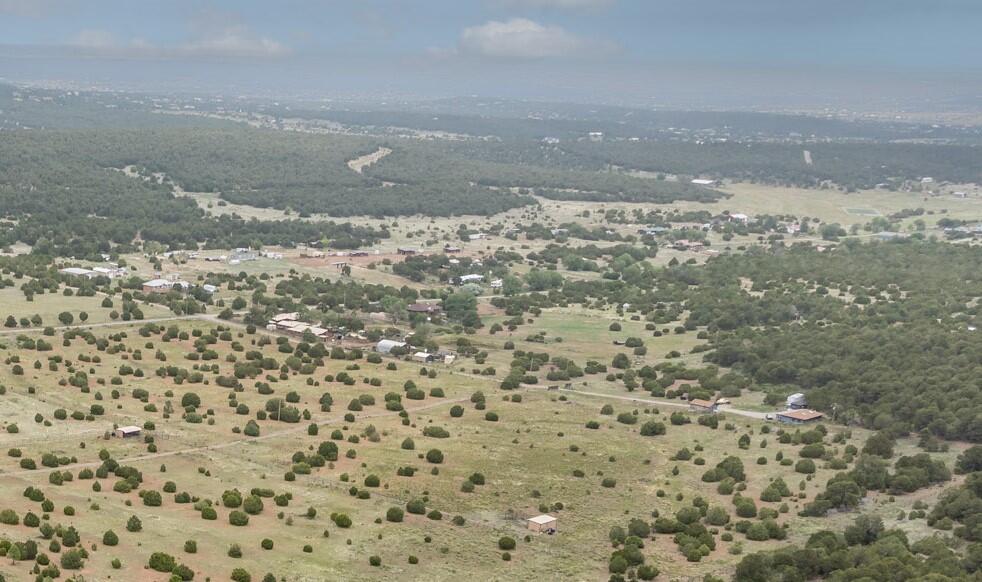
425	308
164	285
799	416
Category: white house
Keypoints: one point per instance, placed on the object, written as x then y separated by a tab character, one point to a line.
704	182
163	285
465	279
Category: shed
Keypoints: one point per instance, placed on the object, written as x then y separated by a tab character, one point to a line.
127	431
543	523
78	272
157	286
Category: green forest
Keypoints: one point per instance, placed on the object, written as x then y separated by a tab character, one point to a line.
878	334
60	192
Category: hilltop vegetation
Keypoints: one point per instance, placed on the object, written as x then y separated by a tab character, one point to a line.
59	191
549	336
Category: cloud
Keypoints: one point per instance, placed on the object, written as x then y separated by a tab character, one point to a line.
235	41
557	3
94	39
524	39
223	34
33	8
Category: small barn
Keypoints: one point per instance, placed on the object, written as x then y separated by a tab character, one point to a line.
543	523
799	416
127	431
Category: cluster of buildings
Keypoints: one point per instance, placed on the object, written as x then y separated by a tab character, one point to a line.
112	271
796	409
237	256
442	357
165	285
290	323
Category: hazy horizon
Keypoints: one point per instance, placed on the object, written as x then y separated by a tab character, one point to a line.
880	55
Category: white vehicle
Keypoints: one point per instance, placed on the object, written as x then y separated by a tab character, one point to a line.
768	417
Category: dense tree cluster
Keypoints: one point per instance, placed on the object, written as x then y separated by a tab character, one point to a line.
864	551
64	196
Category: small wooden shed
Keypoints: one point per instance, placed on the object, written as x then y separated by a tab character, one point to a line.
541	523
127	431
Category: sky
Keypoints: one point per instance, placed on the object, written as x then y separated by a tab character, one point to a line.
698	51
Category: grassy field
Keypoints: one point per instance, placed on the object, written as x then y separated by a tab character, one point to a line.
527	456
431	234
539	455
49	305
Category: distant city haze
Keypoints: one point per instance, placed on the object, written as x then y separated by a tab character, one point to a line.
872	55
